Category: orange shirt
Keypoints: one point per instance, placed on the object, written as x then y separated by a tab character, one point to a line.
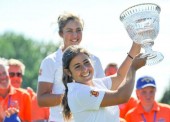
159	113
124	108
18	98
39	113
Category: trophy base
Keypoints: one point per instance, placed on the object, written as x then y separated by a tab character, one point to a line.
153	57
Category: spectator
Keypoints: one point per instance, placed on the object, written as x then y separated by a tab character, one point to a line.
148	110
111	69
89	99
13	101
16	73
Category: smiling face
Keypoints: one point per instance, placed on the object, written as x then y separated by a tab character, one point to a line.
15	74
72	33
81	69
4	78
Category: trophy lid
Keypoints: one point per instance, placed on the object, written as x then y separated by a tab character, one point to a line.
143	7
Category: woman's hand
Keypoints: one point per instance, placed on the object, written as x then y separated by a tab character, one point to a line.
138	62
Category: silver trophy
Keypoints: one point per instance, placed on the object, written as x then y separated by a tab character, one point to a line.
142	24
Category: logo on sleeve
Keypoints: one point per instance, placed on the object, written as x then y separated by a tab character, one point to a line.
94	93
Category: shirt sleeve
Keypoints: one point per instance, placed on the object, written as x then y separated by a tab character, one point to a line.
127	117
47	70
26	107
89	98
106	81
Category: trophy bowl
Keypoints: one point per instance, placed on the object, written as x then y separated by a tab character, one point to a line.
142	25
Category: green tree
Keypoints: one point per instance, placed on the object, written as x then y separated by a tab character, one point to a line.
166	96
29	51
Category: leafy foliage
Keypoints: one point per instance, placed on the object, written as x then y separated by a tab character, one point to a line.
166	96
29	51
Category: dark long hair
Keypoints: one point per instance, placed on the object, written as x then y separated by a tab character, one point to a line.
68	55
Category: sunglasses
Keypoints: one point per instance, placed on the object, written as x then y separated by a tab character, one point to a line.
13	74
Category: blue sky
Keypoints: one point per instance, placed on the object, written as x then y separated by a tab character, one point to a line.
104	34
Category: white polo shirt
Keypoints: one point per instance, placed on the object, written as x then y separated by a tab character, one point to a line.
51	71
84	102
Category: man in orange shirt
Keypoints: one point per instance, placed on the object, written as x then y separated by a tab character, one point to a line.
13	101
16	72
148	110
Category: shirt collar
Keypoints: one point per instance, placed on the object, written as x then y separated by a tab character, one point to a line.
141	110
12	90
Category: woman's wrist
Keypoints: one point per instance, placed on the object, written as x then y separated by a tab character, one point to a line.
131	57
